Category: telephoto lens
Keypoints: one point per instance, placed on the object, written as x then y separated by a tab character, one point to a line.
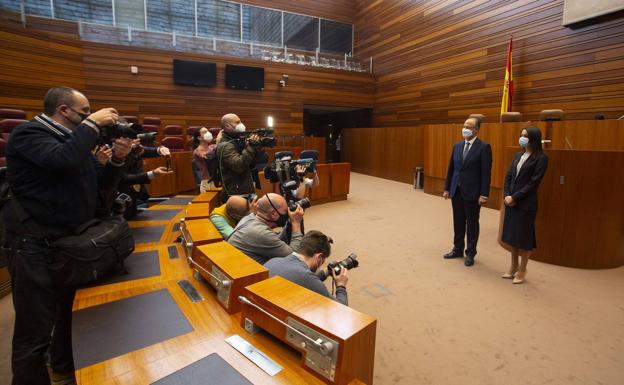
348	263
304	203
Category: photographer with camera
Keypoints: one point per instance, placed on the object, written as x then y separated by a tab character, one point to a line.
56	185
254	233
227	216
302	265
134	180
236	158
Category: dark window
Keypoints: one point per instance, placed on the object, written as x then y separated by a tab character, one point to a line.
301	32
336	37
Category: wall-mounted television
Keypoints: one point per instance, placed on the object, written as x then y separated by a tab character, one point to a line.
243	77
194	73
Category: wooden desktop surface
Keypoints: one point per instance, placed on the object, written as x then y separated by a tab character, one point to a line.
211	324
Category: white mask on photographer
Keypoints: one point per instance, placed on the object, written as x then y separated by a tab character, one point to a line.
466	133
208	137
240	127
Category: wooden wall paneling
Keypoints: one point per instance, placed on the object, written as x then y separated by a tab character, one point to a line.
183	170
437	62
102	72
164	185
588	135
386	152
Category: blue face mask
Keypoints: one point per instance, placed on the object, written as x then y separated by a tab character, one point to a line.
523	141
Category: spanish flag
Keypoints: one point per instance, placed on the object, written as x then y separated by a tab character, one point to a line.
508	87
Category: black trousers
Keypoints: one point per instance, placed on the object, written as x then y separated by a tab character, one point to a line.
465	223
43	314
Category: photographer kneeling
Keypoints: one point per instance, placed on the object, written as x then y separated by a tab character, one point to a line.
301	266
254	233
227	216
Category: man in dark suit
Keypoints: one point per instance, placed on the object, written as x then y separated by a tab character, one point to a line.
468	185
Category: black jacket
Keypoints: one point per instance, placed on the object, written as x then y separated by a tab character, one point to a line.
523	186
55	177
473	174
235	165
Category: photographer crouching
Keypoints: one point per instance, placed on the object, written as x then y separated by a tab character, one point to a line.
303	266
57	186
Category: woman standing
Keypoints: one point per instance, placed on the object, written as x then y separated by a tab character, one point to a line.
521	183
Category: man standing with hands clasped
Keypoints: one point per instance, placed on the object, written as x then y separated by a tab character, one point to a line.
468	186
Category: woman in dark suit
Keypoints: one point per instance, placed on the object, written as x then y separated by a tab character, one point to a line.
521	183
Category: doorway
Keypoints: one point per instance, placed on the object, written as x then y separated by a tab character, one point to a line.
328	122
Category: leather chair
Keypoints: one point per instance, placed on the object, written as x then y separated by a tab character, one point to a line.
192	130
152	121
552	115
7	125
173	143
3	144
511	117
479	117
173	130
131	119
309	154
150	128
10	113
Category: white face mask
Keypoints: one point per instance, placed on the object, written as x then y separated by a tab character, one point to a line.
240	127
466	133
208	137
523	141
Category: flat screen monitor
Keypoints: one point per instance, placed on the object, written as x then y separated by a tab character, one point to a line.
194	73
243	77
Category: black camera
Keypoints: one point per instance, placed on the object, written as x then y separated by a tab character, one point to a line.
121	203
348	263
304	203
121	129
265	134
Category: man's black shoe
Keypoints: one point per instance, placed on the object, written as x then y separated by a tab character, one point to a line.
469	261
453	254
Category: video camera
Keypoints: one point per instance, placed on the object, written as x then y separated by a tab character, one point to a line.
284	171
348	263
265	134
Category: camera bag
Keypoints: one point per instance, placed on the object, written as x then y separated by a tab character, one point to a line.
96	249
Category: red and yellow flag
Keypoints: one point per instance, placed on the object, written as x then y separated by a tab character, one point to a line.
508	87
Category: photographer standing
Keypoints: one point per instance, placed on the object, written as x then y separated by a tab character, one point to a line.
57	181
236	158
302	265
134	180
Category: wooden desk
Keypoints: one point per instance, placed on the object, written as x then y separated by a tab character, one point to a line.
349	333
180	181
229	265
197	211
197	232
211	326
210	197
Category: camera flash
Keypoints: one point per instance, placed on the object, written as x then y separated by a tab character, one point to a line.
134	69
270	121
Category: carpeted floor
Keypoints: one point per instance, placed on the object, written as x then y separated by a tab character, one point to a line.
442	323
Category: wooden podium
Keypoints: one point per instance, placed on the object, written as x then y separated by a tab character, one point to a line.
197	232
580	219
337	343
228	271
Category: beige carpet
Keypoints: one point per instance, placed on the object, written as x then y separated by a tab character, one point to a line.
442	323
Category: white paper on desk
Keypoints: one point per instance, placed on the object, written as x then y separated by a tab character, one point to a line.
254	354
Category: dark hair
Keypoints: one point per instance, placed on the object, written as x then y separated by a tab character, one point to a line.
535	139
315	242
57	96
